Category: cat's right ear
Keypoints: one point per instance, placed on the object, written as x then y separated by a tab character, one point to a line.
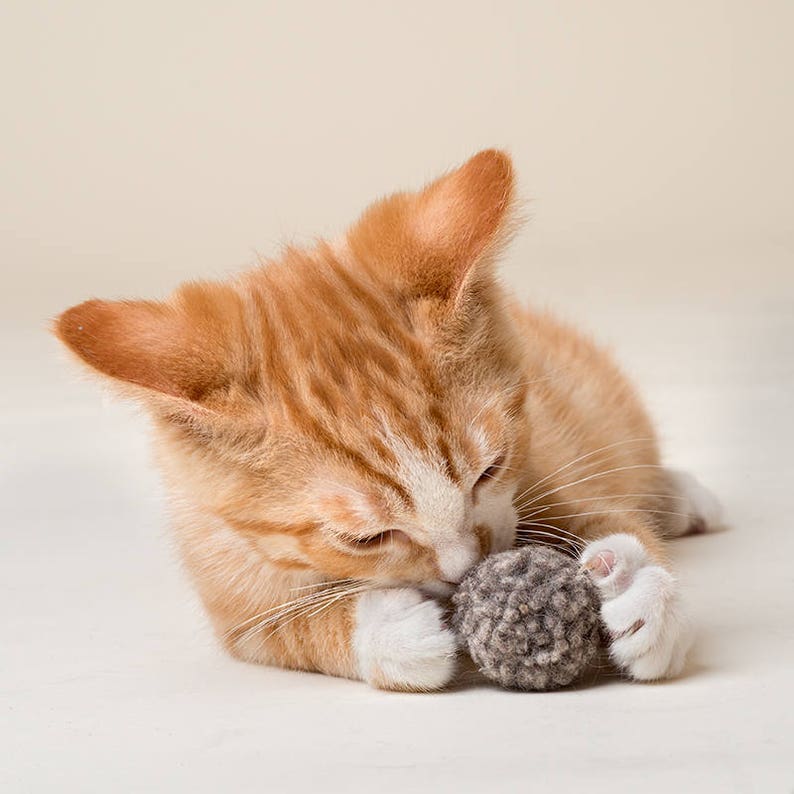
441	242
178	353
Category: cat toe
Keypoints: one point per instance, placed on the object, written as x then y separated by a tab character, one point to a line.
641	608
401	641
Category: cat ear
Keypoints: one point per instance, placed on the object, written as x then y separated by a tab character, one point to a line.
179	351
438	241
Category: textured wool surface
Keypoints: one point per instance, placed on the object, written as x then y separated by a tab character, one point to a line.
529	618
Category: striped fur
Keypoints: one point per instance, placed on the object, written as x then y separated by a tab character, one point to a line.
331	416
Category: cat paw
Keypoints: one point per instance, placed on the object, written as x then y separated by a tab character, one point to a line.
700	509
641	608
401	642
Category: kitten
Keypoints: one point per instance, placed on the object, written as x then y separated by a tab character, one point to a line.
347	430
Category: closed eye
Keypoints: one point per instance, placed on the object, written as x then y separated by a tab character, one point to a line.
491	473
375	541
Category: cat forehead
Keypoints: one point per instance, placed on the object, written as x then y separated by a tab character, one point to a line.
419	488
346	364
426	472
330	346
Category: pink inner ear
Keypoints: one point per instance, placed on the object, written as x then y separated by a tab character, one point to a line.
434	222
457	217
179	349
428	242
127	340
466	207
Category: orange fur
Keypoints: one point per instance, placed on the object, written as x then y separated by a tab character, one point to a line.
286	401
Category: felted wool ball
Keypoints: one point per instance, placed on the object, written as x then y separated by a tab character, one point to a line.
529	618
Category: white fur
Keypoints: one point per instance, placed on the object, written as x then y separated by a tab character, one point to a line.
456	555
699	503
439	502
441	513
641	608
400	640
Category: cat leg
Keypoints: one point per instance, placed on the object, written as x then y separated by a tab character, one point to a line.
391	638
649	632
401	642
698	510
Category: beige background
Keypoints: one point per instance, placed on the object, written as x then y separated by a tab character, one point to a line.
144	143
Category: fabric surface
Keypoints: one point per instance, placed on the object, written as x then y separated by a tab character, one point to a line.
529	618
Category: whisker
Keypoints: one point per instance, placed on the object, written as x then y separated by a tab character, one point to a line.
353	591
321	584
591	477
572	535
286	605
613	496
320	598
562	468
573	540
293	609
532	535
609	512
314	610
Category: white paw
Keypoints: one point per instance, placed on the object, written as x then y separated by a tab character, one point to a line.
401	642
703	510
641	608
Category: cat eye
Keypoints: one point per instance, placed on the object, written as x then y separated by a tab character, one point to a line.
491	473
376	541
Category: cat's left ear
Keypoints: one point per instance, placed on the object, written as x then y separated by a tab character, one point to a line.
440	242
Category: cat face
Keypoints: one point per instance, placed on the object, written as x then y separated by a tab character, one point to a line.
355	409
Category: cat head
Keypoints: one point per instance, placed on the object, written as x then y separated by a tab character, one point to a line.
355	409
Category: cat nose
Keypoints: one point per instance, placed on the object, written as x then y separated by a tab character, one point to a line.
455	563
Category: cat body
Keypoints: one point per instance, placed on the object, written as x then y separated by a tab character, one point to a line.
346	430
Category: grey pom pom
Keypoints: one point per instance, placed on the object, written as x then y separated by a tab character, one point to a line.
529	617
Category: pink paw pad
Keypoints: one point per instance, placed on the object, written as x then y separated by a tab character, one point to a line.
602	564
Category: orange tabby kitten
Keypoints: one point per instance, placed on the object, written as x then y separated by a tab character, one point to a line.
345	431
